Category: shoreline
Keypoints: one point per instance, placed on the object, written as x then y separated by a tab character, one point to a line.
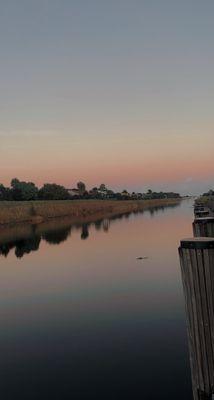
36	212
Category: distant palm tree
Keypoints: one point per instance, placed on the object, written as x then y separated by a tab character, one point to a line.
81	187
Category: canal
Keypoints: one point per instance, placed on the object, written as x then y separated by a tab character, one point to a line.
95	311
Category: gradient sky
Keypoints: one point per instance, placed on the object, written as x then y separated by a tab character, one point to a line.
117	91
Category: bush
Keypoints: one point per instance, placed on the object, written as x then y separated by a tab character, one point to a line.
5	193
23	190
52	191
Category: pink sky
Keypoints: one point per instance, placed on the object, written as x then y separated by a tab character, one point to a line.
119	92
135	162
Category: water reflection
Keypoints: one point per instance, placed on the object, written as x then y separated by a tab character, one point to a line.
85	231
57	236
25	239
84	319
22	246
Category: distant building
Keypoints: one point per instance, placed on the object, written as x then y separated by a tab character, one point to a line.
73	192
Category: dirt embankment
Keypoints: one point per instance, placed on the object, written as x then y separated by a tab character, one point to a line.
39	211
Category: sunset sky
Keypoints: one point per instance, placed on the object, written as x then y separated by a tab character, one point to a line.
113	91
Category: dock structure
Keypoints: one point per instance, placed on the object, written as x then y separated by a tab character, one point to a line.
203	227
197	266
202	210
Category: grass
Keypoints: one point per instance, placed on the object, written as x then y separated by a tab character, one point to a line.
37	211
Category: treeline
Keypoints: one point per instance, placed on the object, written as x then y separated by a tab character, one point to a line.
27	191
210	193
161	195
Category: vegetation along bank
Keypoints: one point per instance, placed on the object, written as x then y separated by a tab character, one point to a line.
39	211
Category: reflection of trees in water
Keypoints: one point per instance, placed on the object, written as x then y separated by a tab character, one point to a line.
126	215
85	231
5	248
32	243
57	236
98	224
103	224
106	225
156	209
25	246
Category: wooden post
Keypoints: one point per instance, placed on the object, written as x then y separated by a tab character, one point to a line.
203	227
202	213
197	266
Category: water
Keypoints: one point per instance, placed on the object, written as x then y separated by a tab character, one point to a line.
82	318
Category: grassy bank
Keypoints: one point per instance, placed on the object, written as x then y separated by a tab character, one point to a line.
39	211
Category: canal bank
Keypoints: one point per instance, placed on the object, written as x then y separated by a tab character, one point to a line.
39	211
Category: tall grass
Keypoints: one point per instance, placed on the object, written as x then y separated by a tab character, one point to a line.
13	212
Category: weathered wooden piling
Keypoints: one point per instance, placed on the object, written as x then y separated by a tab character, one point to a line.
201	210
202	213
198	207
203	227
197	266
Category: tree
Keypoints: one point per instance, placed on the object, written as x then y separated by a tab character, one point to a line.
118	196
52	191
5	193
23	190
102	187
81	187
14	182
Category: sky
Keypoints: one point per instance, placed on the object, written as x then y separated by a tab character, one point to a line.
119	92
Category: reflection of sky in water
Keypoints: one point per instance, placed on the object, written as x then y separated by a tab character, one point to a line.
86	318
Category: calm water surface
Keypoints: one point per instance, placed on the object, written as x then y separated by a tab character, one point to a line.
81	318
